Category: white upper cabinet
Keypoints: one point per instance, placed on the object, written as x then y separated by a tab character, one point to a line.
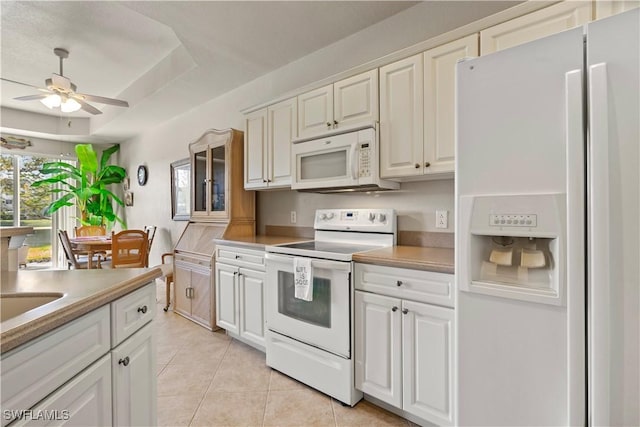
606	8
439	103
417	112
346	103
535	25
401	118
267	162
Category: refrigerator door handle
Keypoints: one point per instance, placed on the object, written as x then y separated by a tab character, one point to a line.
574	290
599	244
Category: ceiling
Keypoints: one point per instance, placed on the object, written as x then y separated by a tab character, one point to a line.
164	57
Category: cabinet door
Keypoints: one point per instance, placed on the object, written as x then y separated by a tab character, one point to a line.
201	297
378	347
439	102
544	22
283	127
227	297
219	182
182	281
252	319
83	401
427	360
315	112
356	99
255	150
401	118
133	368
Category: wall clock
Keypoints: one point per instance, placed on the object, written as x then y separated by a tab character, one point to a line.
142	174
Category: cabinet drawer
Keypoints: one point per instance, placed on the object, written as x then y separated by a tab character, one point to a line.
131	312
416	285
241	257
206	263
32	372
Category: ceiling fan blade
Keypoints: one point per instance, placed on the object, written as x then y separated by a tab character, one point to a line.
61	81
25	84
31	97
101	99
88	108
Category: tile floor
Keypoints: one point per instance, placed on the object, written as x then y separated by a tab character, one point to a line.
208	379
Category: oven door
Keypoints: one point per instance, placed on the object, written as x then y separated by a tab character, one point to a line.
323	322
326	162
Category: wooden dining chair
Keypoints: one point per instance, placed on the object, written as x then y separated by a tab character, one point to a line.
151	231
90	230
167	272
74	259
129	249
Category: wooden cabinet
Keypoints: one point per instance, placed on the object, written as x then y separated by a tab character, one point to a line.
417	112
267	145
193	289
544	22
133	367
343	104
240	305
218	194
404	348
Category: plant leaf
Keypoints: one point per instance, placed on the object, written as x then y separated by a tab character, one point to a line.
87	157
106	155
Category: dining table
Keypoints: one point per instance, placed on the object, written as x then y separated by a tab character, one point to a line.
91	245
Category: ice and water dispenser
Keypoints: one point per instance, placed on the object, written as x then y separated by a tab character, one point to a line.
513	246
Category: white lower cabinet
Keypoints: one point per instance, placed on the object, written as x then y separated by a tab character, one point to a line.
96	370
240	279
133	367
404	353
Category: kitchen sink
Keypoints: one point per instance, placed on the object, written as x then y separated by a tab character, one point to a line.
12	305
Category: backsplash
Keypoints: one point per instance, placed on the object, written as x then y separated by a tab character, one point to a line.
415	204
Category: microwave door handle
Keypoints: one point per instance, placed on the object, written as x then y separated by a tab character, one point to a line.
354	162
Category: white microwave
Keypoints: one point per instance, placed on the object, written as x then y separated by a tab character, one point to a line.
339	162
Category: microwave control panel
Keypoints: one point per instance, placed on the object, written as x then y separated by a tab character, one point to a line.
365	160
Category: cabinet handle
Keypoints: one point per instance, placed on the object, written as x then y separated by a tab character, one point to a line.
399	283
186	292
328	124
124	362
237	256
405	310
335	123
427	164
235	273
394	309
142	309
264	180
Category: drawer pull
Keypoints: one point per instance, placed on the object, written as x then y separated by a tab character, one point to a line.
399	283
237	256
405	310
124	362
394	309
142	309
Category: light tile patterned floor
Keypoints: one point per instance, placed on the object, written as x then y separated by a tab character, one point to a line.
207	379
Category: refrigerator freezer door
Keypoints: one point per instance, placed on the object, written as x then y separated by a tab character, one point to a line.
519	118
613	58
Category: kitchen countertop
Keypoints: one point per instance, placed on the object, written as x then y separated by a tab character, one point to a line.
259	242
83	291
440	260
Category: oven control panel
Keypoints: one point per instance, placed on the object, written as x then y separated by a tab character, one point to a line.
371	220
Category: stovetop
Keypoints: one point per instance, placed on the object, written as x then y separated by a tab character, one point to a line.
334	247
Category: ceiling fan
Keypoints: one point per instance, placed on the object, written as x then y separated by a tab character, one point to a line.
60	92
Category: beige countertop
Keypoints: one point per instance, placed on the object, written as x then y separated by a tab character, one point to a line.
439	260
260	241
15	231
83	291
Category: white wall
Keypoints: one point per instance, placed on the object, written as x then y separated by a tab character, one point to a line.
158	147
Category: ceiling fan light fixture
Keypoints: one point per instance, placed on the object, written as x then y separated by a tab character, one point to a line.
52	101
70	105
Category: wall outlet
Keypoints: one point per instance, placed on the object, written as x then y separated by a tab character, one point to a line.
442	219
293	217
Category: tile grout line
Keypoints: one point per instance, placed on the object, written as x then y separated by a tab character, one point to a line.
333	411
264	410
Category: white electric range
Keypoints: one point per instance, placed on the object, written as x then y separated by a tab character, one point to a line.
312	341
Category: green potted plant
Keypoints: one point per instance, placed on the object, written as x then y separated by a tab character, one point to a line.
86	185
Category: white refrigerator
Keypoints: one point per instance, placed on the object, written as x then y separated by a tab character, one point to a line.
548	230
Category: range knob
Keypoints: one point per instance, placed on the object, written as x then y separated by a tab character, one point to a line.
323	216
330	215
382	217
372	216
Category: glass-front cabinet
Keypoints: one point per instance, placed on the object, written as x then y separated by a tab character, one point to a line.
209	157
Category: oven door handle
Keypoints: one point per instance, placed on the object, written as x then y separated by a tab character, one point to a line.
315	263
